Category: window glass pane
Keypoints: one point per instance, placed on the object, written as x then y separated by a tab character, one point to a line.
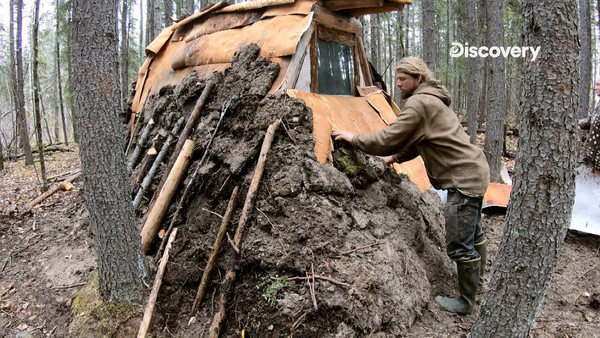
336	68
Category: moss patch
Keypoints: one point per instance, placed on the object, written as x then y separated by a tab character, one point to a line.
354	164
93	317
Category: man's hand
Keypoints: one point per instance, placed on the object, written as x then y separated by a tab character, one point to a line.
387	159
343	135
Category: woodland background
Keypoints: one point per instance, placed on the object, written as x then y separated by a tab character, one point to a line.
434	24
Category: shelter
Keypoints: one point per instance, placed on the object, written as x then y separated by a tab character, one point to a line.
319	47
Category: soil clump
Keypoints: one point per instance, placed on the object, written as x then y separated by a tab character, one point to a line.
368	230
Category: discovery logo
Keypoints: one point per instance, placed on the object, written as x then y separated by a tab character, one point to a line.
458	50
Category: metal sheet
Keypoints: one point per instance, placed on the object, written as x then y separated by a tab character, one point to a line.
277	37
586	210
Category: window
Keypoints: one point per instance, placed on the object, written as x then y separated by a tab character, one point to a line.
335	68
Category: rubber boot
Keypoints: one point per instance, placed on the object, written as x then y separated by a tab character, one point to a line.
468	278
481	249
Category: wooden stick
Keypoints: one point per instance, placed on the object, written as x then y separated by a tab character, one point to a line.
192	179
362	247
159	158
331	280
227	286
187	130
215	250
163	200
144	166
48	193
253	189
145	324
311	286
140	145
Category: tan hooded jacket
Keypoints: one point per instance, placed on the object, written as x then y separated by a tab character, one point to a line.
427	126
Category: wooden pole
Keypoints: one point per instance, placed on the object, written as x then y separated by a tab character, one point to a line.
187	130
253	189
215	250
49	193
164	198
145	324
227	286
140	145
161	155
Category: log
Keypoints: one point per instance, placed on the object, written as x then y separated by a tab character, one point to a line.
227	286
187	130
161	155
215	250
49	193
140	145
145	324
164	198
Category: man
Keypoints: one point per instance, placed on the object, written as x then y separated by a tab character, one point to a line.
427	126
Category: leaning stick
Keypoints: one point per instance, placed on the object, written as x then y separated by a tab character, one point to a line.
194	174
159	158
187	130
140	145
154	293
253	189
49	193
215	249
215	326
164	198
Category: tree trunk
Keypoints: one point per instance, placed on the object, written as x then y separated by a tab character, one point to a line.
168	13
157	15
141	45
124	64
36	95
375	57
50	141
429	34
496	102
482	14
585	58
59	80
540	207
188	7
117	242
400	53
21	114
1	155
13	70
474	69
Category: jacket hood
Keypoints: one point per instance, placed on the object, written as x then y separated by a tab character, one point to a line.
434	88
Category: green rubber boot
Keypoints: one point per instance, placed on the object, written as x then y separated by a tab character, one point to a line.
481	249
468	278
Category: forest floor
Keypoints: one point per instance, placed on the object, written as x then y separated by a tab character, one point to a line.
46	258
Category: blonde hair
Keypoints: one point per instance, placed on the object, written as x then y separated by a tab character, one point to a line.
415	67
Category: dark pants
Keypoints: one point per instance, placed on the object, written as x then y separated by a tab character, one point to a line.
463	225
